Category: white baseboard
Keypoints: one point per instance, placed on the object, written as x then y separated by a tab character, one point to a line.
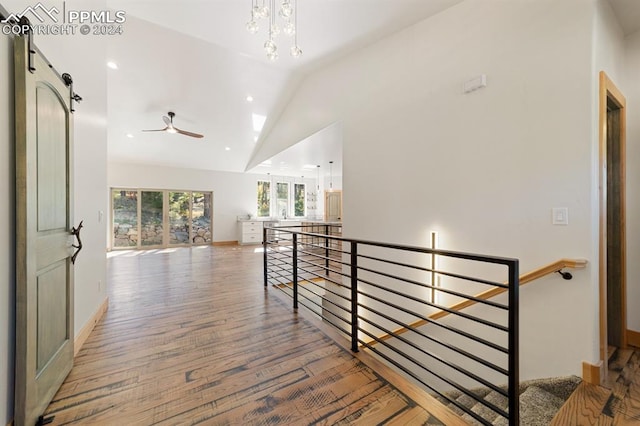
89	326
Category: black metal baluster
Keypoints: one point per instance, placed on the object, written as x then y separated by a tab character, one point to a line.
514	353
265	247
295	270
354	297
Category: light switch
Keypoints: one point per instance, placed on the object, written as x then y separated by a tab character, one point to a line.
560	216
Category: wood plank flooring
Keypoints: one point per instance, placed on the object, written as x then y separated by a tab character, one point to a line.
192	337
616	402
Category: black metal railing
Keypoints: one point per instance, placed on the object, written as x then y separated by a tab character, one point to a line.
398	303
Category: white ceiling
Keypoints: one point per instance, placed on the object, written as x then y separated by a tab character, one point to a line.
196	58
628	14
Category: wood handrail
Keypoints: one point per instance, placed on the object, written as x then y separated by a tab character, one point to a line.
488	294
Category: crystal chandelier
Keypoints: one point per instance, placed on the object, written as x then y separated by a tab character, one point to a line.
288	12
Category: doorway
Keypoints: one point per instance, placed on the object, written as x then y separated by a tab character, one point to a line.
333	206
612	262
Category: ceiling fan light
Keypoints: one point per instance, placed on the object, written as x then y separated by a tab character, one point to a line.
172	130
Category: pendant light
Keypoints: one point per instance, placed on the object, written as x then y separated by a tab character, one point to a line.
330	175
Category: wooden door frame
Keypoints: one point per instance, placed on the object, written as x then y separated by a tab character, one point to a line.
609	91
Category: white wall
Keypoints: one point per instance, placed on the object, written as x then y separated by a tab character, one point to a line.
484	169
7	242
631	89
234	194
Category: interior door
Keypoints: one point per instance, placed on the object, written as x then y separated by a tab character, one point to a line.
44	281
333	206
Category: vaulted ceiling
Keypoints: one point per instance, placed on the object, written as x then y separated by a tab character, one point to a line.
197	59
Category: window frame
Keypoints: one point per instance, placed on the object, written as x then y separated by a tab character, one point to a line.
304	199
268	201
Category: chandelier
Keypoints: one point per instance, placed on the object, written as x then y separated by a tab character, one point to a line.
288	12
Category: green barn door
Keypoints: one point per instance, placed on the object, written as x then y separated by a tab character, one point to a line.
44	282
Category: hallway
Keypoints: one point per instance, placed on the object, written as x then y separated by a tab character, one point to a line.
191	337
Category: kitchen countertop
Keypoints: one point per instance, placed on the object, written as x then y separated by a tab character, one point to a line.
300	219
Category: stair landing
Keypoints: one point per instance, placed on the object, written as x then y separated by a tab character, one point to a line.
616	402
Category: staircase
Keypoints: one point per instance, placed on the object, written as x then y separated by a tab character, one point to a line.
540	400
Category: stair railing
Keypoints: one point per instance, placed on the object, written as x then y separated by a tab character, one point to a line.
366	289
551	268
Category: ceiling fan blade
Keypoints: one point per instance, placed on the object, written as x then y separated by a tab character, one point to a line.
184	132
157	130
167	120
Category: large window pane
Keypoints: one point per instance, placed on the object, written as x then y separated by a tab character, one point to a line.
179	217
125	218
299	199
151	218
282	199
264	198
201	218
143	218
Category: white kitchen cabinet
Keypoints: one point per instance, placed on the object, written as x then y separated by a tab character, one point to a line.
250	232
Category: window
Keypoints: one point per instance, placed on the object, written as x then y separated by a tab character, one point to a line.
151	218
160	218
299	200
179	217
125	218
282	199
201	216
264	198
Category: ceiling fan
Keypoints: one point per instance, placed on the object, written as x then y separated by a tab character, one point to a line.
172	129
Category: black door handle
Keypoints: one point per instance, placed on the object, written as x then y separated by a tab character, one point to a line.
76	232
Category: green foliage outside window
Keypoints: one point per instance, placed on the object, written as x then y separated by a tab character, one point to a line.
299	193
264	199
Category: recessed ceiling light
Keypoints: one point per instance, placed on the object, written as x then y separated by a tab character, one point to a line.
226	148
112	65
249	98
130	135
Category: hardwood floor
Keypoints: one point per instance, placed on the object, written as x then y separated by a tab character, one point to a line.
616	402
192	337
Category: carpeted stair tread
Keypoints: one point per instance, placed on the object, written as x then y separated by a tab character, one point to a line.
485	412
562	387
540	400
537	408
